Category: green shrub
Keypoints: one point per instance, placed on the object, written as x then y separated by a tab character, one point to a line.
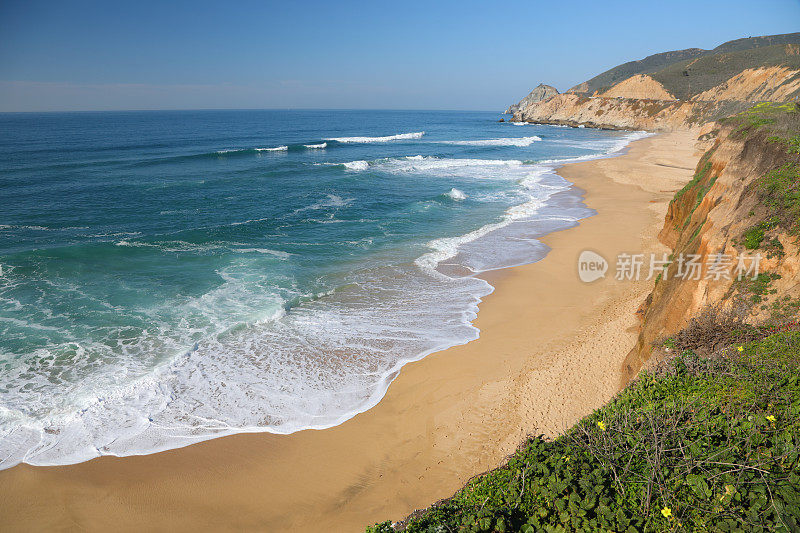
753	237
792	143
780	192
699	444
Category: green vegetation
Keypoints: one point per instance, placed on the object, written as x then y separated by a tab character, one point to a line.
759	288
782	116
707	441
687	72
754	236
792	143
707	444
689	77
779	190
700	184
699	176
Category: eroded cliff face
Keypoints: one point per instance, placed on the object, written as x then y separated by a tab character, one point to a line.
640	86
616	113
753	85
640	102
719	215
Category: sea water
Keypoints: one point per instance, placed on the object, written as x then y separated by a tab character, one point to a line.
170	277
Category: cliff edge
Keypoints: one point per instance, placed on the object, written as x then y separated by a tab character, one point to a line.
743	204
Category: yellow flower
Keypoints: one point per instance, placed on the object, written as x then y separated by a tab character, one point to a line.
601	425
771	418
740	348
667	512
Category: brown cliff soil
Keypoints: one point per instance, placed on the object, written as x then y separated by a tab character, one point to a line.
743	199
617	113
641	102
752	85
640	86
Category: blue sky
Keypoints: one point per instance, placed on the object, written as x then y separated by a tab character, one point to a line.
348	54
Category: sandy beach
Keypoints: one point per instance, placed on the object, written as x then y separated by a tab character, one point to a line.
550	351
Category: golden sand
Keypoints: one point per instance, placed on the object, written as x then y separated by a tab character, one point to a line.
550	351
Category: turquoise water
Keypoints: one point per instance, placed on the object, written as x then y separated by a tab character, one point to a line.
168	277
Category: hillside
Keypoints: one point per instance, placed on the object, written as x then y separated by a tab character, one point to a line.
685	94
687	78
657	62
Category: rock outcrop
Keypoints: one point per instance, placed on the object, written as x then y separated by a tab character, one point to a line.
541	92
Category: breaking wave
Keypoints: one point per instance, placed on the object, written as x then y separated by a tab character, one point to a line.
387	138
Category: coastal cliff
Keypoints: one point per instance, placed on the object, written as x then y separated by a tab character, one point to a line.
742	201
707	438
676	90
704	434
617	113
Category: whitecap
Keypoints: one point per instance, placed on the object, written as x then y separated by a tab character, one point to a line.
356	165
387	138
275	149
513	141
456	194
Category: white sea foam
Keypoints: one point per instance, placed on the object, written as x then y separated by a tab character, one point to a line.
275	149
538	193
456	194
512	141
233	369
605	146
314	367
268	251
438	166
204	248
356	165
36	228
316	146
387	138
528	176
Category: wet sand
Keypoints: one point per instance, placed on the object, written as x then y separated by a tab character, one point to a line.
550	351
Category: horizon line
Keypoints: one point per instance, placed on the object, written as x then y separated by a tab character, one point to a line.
150	110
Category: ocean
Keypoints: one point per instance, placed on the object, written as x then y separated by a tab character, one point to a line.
170	277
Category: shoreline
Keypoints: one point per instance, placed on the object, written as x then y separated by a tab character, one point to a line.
559	210
445	418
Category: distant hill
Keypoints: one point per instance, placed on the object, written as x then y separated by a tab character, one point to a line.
687	78
740	53
681	89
